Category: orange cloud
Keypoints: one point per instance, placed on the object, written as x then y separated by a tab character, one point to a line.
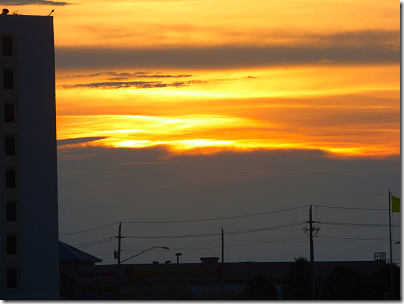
345	110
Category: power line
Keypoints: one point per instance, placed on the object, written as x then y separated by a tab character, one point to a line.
358	225
215	234
216	219
152	241
224	218
260	241
88	229
350	240
187	221
266	228
101	242
353	225
93	242
267	242
228	246
354	208
186	248
353	239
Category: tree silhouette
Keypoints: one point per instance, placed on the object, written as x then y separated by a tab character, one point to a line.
297	280
379	283
343	283
259	288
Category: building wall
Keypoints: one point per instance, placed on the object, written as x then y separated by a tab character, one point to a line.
142	281
34	159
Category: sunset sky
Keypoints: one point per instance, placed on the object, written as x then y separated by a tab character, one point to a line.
231	74
199	109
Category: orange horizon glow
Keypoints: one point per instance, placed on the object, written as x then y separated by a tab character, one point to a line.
178	134
274	108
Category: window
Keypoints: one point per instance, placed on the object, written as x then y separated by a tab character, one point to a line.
12	274
10	178
9	145
8	79
7	46
9	112
11	211
11	244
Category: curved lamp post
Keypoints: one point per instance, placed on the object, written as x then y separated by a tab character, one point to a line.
164	247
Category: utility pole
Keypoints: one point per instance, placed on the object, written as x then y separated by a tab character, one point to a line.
313	278
391	252
119	259
312	229
222	264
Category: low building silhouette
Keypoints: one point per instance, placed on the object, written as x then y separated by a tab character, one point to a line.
196	280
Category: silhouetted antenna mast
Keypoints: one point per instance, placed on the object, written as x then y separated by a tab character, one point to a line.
51	12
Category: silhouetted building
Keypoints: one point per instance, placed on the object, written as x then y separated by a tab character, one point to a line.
29	266
190	280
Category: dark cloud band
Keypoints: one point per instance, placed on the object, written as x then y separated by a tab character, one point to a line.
363	47
130	84
80	140
125	75
219	58
34	2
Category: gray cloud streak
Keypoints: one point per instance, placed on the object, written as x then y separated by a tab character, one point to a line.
130	84
73	141
363	47
34	2
218	58
125	75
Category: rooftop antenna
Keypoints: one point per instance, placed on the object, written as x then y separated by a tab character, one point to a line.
51	12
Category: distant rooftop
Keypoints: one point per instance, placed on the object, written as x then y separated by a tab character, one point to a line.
6	12
70	253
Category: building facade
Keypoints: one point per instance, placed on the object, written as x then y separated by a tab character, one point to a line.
29	267
185	280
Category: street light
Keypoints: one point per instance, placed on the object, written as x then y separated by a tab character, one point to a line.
178	271
164	247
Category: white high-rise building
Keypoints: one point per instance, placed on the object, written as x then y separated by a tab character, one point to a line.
29	267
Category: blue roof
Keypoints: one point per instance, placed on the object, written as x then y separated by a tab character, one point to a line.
69	253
